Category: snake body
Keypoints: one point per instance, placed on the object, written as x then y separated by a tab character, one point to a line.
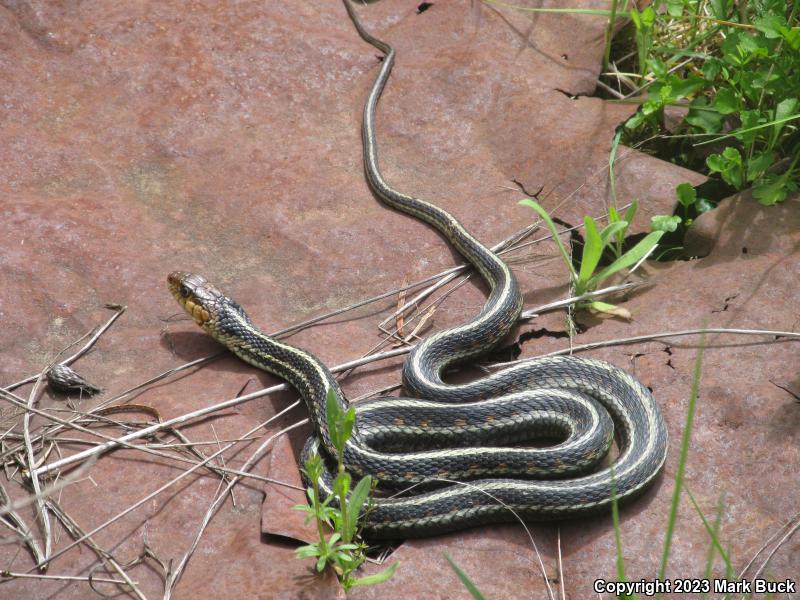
475	432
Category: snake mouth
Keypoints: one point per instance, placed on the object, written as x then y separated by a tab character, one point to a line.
189	290
200	315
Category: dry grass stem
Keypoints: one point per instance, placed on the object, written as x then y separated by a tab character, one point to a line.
792	529
88	579
560	565
220	498
655	336
120	442
559	304
17	524
170	483
542	569
41	508
68	361
47	491
795	518
76	532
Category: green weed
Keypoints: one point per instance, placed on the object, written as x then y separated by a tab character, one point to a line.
731	68
598	241
465	580
343	551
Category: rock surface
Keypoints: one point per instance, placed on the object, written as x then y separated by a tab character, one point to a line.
224	138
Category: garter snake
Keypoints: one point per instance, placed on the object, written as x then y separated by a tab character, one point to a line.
478	432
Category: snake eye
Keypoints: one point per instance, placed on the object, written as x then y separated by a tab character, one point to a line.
185	292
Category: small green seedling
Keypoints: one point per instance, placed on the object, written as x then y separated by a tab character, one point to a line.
340	511
611	237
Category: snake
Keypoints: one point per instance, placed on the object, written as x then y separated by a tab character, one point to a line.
529	441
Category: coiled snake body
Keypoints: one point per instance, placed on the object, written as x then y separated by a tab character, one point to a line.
465	432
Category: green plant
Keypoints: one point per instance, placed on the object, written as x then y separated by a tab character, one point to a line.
620	562
465	580
342	550
732	68
596	242
682	458
689	206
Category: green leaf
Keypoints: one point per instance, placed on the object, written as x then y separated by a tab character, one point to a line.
304	508
755	81
792	36
610	230
674	8
636	18
592	250
686	195
739	48
313	467
730	49
658	67
321	563
333	413
750	44
307	551
610	309
783	112
703	205
356	502
648	17
552	227
631	212
728	165
733	159
771	25
770	191
471	587
758	164
654	106
746	132
683	88
711	69
384	575
665	223
639	251
341	485
348	423
716	163
635	120
720	9
727	101
703	116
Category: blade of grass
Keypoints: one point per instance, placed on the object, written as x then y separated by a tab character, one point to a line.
611	230
552	227
471	588
612	18
612	157
714	533
618	535
687	435
715	544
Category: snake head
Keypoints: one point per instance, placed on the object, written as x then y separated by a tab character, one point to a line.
197	296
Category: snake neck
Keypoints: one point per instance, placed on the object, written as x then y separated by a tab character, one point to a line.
301	370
